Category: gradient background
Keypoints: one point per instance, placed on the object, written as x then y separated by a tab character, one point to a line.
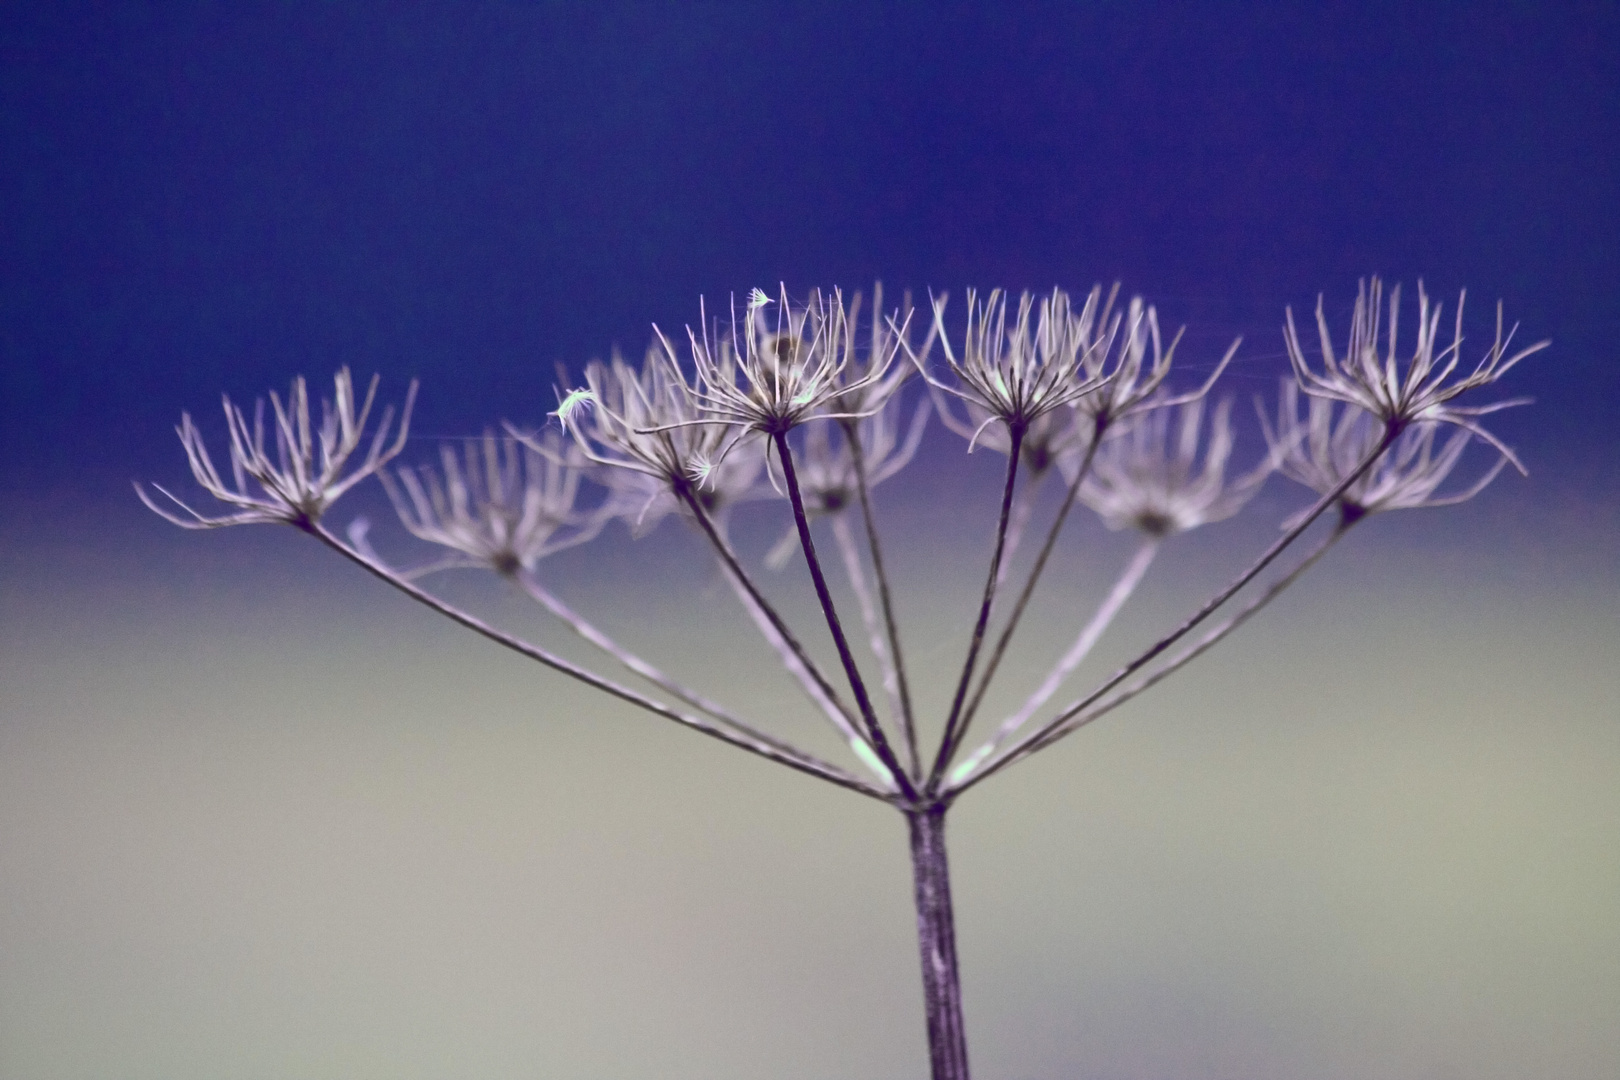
259	818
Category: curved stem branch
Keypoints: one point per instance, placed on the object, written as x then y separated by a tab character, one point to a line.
1192	622
1023	509
1204	644
833	710
794	759
739	576
1083	644
857	685
891	625
1035	571
849	551
636	664
956	722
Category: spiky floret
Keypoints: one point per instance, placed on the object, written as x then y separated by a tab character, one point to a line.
1420	389
639	420
1131	351
857	393
778	366
1121	353
309	469
1325	445
1016	374
642	427
497	504
1144	478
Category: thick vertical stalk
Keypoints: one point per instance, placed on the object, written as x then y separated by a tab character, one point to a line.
936	938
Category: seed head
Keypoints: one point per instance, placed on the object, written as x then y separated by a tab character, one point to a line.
642	428
1020	374
1129	351
858	393
638	420
772	370
1420	390
497	505
1325	445
1143	478
307	473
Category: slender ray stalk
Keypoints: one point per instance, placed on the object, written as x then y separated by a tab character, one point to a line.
632	662
794	759
1023	510
1093	631
908	723
850	552
1391	431
734	569
857	685
1204	644
955	725
833	710
1035	571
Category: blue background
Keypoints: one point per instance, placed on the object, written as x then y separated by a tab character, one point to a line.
206	197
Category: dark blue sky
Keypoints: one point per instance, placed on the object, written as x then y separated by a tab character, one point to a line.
196	198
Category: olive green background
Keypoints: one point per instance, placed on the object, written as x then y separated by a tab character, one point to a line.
259	818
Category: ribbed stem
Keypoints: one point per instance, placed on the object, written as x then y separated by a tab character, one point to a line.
936	939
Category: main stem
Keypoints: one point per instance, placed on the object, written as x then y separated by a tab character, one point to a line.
936	939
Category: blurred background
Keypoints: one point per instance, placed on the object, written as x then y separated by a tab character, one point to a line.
259	818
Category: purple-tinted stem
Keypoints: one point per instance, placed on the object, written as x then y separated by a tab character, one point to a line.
908	725
1042	737
1005	639
857	685
955	725
936	939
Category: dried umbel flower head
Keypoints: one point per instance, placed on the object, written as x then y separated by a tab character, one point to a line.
643	501
1129	350
1144	478
1017	375
1326	445
778	366
638	420
1422	388
857	393
307	473
497	505
643	427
